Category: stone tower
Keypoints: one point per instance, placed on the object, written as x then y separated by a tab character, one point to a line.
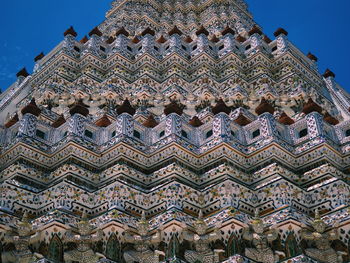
175	131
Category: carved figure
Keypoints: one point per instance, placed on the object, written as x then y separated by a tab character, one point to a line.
22	240
83	253
202	237
323	251
142	240
260	239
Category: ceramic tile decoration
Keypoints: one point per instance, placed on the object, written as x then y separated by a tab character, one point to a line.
177	131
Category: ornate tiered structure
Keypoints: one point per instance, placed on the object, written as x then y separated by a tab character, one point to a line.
184	134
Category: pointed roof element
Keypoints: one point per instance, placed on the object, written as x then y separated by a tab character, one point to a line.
214	39
84	40
267	39
202	30
148	31
39	57
110	40
150	122
70	31
256	219
31	108
122	31
255	30
220	107
161	40
330	119
103	121
264	107
200	215
173	107
60	121
242	120
228	30
175	30
143	215
195	122
188	39
79	107
22	73
126	108
84	217
312	56
285	119
25	217
328	73
135	40
240	39
12	121
280	31
96	32
317	214
311	106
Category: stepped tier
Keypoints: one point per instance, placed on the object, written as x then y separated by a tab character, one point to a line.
188	15
173	128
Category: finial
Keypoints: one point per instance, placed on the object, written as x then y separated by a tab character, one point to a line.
22	73
84	40
25	217
103	121
328	73
143	215
161	40
280	31
148	31
84	217
79	107
122	31
126	107
312	56
39	57
195	122
200	215
202	30
255	30
70	31
228	30
150	122
175	30
31	108
317	214
256	213
96	32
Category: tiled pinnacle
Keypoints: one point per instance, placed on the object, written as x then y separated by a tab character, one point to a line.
188	15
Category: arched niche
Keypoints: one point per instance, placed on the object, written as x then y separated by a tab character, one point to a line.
55	251
233	246
173	247
291	246
113	248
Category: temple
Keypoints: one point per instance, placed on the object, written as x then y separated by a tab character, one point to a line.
175	131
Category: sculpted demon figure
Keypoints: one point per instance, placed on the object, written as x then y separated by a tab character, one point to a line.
84	239
22	239
142	240
202	237
323	251
260	239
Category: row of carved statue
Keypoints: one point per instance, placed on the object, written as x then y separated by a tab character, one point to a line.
200	235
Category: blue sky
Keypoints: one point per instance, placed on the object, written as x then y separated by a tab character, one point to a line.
29	27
